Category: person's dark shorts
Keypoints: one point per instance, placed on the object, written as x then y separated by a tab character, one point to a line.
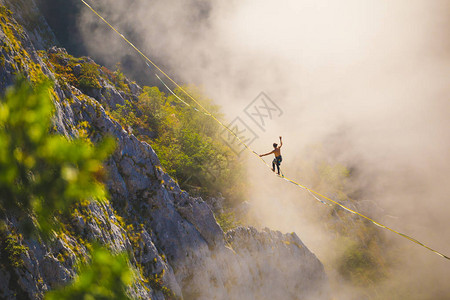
277	160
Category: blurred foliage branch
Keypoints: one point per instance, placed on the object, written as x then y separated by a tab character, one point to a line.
106	277
43	175
41	172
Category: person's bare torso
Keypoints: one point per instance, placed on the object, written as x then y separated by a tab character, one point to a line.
277	152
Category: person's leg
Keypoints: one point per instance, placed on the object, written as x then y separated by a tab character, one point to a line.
273	165
279	159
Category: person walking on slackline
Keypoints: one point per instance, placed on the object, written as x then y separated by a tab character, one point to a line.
277	152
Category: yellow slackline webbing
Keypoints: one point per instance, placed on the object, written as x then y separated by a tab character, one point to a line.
205	111
176	96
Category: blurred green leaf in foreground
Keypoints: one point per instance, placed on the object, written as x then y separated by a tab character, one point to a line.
106	277
41	172
43	175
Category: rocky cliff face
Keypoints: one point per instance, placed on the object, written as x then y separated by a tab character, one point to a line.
172	238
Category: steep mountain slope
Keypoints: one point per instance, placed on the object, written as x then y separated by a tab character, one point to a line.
173	239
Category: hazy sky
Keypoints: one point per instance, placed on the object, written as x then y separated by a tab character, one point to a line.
367	80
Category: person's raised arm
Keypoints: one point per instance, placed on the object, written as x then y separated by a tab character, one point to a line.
281	142
261	155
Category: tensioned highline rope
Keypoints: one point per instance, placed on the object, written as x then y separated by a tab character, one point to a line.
205	111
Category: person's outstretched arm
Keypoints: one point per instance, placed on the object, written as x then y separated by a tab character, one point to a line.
266	154
281	142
